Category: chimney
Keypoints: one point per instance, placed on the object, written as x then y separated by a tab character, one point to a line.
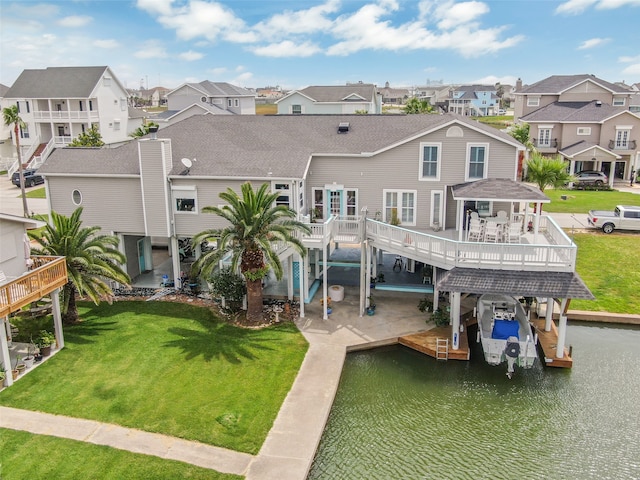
518	84
153	130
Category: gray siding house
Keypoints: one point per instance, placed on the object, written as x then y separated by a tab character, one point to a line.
331	100
347	176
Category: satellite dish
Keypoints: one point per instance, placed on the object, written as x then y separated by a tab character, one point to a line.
186	162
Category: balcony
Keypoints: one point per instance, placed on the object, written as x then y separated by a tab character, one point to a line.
629	145
47	274
65	115
552	144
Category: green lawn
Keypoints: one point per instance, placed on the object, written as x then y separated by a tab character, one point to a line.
24	455
169	368
37	193
610	266
581	201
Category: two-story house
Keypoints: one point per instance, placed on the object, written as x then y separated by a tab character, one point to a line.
206	97
584	119
352	174
58	103
474	100
332	100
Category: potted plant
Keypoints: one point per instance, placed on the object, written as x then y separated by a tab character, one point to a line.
328	300
425	305
395	221
19	368
3	374
316	215
440	317
371	309
46	341
30	359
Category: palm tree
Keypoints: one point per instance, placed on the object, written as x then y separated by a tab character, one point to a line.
415	105
91	260
547	172
256	226
11	116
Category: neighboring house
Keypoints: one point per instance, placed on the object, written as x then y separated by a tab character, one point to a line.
25	279
586	120
5	130
394	96
354	172
332	100
474	100
216	98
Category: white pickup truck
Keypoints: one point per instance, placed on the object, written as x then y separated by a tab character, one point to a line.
624	217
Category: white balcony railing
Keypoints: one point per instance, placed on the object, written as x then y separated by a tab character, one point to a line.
55	115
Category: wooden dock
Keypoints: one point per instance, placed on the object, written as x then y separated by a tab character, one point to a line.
425	342
548	342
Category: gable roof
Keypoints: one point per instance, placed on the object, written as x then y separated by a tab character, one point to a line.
339	93
29	223
3	90
577	148
557	84
57	82
250	146
217	89
592	112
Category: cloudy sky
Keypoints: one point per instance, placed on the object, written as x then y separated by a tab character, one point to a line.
295	43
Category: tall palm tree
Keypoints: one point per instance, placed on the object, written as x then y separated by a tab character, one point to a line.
11	116
547	172
91	260
414	105
256	226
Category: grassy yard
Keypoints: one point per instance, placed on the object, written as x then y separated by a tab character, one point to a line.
39	456
168	368
267	109
37	193
609	265
581	201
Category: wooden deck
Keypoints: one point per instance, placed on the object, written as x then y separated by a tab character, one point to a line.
425	342
548	342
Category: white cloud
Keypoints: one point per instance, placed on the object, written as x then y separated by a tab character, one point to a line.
492	80
218	71
450	14
287	48
151	49
629	59
593	42
110	43
159	7
576	7
632	69
75	21
314	19
190	56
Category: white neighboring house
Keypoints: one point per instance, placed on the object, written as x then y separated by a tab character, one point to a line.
217	98
59	103
334	99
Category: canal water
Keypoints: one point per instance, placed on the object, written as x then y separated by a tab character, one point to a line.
399	414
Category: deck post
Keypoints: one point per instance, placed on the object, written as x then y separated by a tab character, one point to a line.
562	329
175	259
302	272
549	315
5	359
57	317
364	270
325	293
290	277
454	298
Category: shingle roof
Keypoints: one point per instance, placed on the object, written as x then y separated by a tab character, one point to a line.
223	89
3	90
556	84
338	93
517	283
56	82
571	150
573	112
498	189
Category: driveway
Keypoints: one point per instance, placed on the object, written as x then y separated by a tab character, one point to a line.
11	202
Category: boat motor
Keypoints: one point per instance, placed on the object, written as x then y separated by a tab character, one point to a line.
511	351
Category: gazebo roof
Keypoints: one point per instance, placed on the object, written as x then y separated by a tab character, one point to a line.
498	189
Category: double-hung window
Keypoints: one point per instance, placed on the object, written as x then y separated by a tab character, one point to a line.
533	101
185	199
402	203
477	163
296	109
430	161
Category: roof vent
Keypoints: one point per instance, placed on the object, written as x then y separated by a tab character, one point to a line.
598	103
343	127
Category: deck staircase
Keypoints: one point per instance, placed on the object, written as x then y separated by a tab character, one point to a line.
442	349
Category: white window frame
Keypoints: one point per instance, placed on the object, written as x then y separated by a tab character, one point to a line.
422	176
283	189
296	113
236	102
542	142
439	214
401	210
619	101
485	163
533	101
584	131
229	102
623	134
351	206
318	203
186	192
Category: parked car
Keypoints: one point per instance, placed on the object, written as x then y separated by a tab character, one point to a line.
502	111
590	177
31	178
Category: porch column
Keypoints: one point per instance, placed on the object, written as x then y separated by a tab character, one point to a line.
325	293
374	261
536	222
436	292
302	271
455	319
461	220
290	277
307	269
364	269
175	259
562	329
549	315
57	317
4	352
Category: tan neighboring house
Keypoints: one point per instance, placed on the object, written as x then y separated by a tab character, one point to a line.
586	120
59	103
332	100
347	177
215	98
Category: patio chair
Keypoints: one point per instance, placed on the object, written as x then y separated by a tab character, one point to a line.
492	232
502	216
475	233
514	232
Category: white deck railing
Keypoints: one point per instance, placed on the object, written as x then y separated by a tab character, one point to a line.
65	115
